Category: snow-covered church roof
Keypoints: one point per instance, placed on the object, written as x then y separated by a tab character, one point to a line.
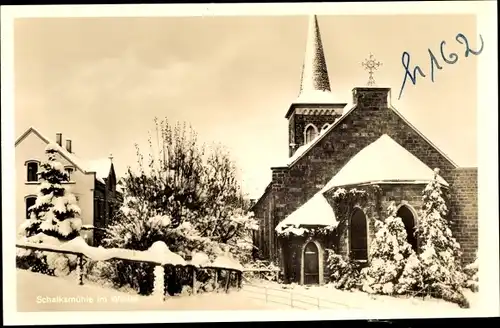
315	212
384	160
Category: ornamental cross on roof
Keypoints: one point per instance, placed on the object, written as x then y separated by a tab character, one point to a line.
371	65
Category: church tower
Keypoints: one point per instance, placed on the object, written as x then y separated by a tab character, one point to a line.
315	108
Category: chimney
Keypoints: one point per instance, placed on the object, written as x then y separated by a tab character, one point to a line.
374	98
68	145
59	139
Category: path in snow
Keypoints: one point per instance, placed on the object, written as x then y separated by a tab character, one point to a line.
34	288
306	297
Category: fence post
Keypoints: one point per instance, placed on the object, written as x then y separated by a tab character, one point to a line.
79	269
240	278
194	280
159	282
216	279
228	276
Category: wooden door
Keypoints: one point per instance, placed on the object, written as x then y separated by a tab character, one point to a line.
311	264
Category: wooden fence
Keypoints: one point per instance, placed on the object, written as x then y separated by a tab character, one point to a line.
291	299
160	286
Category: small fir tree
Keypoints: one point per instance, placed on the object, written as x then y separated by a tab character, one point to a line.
439	261
389	253
53	219
55	212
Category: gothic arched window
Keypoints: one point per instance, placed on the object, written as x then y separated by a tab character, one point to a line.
358	236
408	219
310	133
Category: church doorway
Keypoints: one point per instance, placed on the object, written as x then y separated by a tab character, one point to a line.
358	236
311	264
408	219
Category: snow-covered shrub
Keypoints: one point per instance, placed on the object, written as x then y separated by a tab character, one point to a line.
100	272
52	219
262	265
438	271
389	252
188	199
471	271
344	273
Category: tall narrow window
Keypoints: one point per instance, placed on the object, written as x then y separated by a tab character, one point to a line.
310	133
358	236
408	219
70	171
30	201
32	171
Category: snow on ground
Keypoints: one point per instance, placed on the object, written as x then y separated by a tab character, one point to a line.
38	292
331	298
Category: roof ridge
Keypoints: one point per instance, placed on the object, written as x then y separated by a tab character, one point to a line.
341	118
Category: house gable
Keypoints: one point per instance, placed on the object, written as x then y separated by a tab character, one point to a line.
62	152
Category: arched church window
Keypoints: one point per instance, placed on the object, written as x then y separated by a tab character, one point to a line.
408	219
358	236
310	133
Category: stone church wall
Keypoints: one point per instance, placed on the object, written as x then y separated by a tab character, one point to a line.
293	186
292	252
464	212
364	125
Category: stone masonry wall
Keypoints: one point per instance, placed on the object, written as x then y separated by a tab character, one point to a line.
464	212
299	122
362	126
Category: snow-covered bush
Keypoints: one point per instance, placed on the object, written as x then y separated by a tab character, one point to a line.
389	252
100	272
52	219
188	199
344	273
471	271
269	275
438	271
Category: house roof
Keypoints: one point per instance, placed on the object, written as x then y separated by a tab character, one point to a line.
101	167
87	167
384	160
315	212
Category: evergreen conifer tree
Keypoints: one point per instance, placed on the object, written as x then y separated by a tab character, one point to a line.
55	212
389	252
438	271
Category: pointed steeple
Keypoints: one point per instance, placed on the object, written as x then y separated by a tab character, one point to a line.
314	72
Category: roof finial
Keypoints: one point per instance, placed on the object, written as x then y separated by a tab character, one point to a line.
314	71
111	157
371	66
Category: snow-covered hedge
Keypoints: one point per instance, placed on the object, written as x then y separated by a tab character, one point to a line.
260	269
344	273
471	270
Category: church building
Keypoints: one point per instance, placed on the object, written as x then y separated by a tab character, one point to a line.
346	165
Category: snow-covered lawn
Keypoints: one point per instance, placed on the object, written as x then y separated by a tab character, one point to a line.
331	298
35	291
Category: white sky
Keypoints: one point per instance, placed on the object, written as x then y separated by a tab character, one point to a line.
101	81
